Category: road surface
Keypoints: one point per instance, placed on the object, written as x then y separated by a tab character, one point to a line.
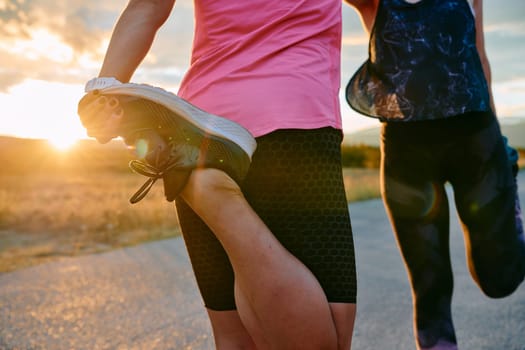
145	297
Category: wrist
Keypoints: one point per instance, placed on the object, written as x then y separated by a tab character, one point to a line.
100	83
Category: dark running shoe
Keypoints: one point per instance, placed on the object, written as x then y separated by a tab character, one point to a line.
173	137
513	156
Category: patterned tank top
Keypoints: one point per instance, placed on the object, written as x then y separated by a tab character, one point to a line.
423	63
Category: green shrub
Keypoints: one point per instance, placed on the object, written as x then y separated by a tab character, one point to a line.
360	156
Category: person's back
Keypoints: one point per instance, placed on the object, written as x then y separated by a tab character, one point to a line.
273	66
267	65
424	63
427	79
273	252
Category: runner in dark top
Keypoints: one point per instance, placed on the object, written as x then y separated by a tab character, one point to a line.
427	80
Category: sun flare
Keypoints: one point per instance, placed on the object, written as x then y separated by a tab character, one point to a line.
43	110
62	142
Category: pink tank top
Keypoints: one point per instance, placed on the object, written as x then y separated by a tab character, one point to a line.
267	64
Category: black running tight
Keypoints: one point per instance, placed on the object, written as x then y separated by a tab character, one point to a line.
295	185
418	159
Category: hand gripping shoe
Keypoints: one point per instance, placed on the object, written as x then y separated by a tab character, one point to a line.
177	136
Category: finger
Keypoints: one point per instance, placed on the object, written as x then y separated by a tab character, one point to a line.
113	123
96	114
87	101
90	112
97	105
113	102
109	128
110	106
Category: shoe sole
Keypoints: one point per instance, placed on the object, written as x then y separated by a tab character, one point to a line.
224	144
208	123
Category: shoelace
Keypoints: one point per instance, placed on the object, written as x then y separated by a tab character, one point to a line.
154	172
179	158
147	170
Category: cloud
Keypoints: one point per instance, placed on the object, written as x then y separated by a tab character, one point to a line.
9	78
13	19
67	19
511	28
508	96
49	39
65	40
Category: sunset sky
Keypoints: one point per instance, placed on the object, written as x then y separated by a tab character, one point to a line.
50	48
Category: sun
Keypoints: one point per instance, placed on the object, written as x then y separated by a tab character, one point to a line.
62	142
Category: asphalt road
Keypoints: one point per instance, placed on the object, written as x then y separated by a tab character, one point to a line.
145	297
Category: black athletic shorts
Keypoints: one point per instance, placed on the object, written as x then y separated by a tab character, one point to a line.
295	185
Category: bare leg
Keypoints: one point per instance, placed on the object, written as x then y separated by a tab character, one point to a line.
344	318
229	332
279	301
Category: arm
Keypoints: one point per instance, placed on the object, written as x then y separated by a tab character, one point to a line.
480	43
130	42
367	11
133	36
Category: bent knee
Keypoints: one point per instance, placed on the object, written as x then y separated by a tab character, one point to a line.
208	182
410	201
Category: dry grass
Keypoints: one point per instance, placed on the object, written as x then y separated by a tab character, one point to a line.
63	204
45	216
361	184
54	205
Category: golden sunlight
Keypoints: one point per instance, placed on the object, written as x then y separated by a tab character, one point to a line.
43	110
62	142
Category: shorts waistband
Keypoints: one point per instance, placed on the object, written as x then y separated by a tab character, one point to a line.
434	130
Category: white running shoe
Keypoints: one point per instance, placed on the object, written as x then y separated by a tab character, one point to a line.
180	136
